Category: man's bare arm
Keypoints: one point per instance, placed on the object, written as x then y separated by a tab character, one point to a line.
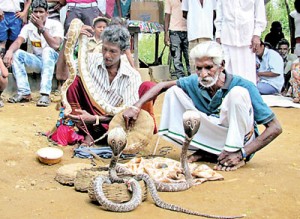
272	131
131	114
268	74
167	24
8	58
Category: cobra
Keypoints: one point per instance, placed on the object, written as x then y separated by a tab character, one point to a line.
86	75
117	142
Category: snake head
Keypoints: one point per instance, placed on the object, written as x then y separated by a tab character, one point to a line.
191	122
117	140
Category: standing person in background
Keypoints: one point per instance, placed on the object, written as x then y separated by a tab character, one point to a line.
54	8
239	24
86	11
122	8
295	32
95	42
12	21
176	37
275	34
195	11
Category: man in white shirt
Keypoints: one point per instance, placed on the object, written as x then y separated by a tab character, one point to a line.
270	71
239	24
45	36
200	19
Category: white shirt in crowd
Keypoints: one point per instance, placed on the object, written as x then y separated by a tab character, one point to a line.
10	5
38	42
238	20
294	14
199	19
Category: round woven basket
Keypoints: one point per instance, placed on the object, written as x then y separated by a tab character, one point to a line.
116	192
140	135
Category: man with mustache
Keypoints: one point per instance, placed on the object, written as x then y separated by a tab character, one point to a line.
114	80
229	106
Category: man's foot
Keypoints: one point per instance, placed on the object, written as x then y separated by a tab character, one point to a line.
201	155
19	98
44	101
296	100
224	167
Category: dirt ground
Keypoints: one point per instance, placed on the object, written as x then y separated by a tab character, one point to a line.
267	187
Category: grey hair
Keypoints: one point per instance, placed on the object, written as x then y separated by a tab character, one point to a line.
208	49
117	34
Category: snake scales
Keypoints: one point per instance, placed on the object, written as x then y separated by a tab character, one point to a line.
86	75
117	141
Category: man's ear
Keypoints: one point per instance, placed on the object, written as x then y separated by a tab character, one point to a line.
223	63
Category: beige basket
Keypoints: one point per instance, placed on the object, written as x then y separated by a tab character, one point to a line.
116	192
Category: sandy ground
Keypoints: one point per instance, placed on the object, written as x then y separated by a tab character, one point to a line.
267	187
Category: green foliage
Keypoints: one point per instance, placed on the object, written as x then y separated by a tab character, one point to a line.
276	11
147	48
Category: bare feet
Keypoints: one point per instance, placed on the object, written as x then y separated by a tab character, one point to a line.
201	155
197	156
296	100
223	167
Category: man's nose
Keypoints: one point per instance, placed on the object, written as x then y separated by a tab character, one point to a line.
203	72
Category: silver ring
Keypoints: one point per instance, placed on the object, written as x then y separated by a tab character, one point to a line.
226	164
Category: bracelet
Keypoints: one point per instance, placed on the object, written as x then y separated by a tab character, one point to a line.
135	107
244	154
97	120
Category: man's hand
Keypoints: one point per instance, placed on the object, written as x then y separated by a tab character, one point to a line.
130	115
37	22
1	15
57	7
255	43
82	116
167	39
8	58
228	159
22	15
87	30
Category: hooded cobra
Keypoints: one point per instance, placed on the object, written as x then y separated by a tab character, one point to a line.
117	141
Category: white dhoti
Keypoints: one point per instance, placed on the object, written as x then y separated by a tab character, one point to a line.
226	132
240	61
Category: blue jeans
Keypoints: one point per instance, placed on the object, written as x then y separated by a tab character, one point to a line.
266	89
179	46
45	64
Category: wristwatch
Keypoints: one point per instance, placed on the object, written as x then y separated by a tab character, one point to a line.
244	154
42	30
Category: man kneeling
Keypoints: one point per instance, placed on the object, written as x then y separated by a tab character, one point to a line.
230	107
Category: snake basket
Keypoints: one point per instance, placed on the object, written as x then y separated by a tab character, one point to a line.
117	192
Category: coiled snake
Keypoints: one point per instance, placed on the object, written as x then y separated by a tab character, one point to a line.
117	142
87	76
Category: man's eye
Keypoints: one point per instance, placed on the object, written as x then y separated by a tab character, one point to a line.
208	67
